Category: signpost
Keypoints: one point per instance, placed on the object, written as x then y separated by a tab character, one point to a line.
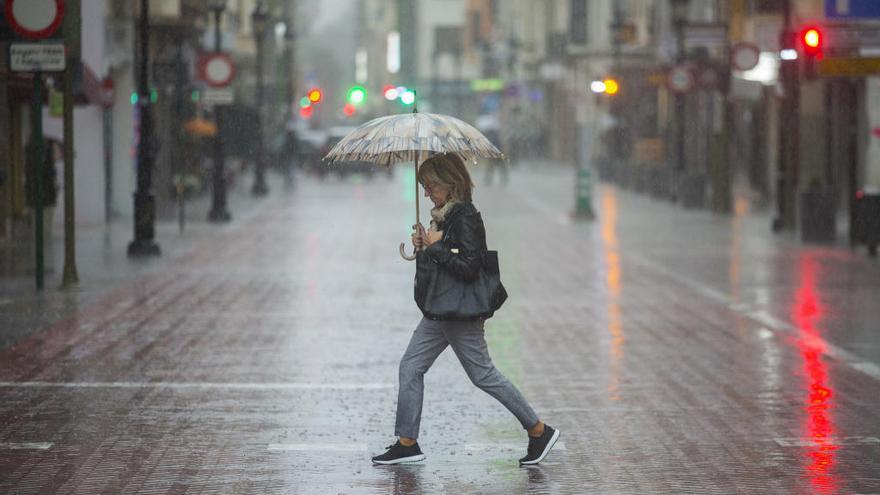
214	97
744	56
848	67
37	57
680	79
217	70
708	35
843	9
36	20
850	37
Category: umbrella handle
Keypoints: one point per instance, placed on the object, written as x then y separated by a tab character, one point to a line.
403	253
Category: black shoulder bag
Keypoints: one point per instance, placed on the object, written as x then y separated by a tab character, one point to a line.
443	296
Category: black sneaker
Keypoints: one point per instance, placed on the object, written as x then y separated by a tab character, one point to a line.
539	447
399	453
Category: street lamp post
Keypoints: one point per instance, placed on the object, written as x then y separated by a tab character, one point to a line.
679	19
288	79
789	129
219	212
260	21
144	244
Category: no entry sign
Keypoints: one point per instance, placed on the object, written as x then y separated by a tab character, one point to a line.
34	19
744	56
216	69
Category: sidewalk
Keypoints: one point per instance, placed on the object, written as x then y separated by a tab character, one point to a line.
101	260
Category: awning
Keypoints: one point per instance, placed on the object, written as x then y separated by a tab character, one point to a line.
88	89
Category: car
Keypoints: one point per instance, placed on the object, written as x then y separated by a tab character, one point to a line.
345	168
310	143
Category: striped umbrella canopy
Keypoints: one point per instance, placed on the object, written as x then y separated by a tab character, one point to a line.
412	136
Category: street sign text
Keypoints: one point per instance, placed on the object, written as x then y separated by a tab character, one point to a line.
37	57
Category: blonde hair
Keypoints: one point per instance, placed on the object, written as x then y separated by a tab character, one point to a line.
449	170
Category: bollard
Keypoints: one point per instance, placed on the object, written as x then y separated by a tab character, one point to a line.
583	192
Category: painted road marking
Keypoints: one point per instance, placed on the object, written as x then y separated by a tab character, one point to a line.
359	447
26	446
567	409
773	323
763	317
206	385
482	447
317	447
811	442
546	209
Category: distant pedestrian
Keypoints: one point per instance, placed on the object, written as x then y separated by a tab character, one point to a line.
490	125
454	242
493	164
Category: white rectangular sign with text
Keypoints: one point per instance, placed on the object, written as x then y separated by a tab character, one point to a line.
37	57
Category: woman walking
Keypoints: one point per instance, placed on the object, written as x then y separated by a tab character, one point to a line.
454	242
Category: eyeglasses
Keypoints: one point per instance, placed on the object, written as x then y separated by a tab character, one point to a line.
429	186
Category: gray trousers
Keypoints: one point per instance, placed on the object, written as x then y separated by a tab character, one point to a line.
467	340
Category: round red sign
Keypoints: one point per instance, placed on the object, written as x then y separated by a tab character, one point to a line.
34	19
744	56
216	69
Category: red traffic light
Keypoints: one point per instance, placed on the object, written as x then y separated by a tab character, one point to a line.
348	109
812	39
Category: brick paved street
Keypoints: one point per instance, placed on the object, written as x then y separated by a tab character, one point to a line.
677	351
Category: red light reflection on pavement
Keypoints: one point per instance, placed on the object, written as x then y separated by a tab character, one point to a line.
819	426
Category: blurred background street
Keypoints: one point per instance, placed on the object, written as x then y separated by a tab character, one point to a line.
192	301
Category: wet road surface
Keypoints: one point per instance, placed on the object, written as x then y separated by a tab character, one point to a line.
677	351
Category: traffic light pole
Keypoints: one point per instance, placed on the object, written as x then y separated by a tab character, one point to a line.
144	244
219	212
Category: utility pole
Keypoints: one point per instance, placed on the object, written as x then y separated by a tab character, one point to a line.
789	128
260	20
71	27
721	183
177	121
289	83
290	36
144	244
680	11
37	155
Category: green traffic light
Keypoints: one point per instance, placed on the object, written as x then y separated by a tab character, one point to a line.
304	102
357	95
134	98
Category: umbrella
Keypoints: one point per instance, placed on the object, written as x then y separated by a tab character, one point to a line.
412	136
